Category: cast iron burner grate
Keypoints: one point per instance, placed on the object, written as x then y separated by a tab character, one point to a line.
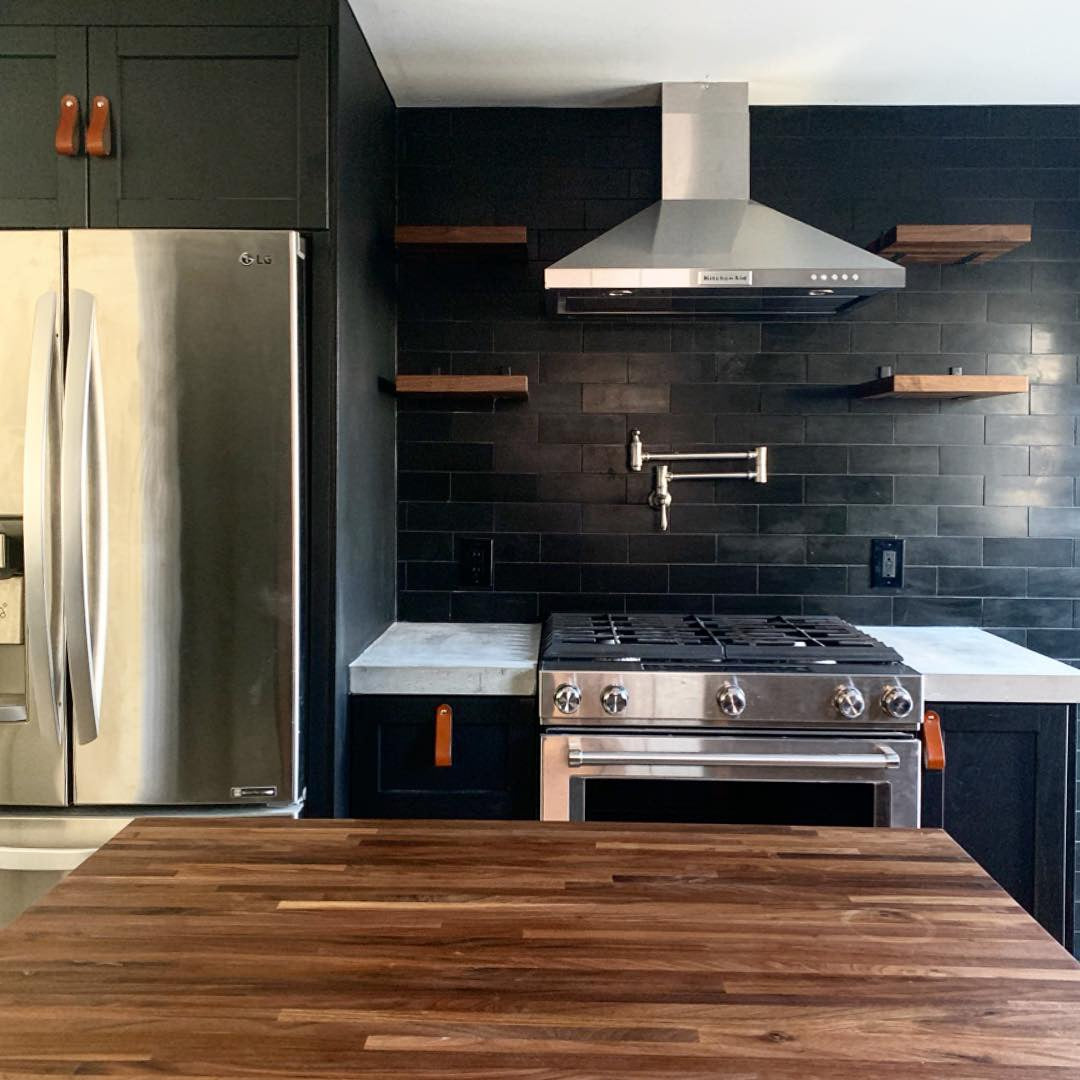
776	640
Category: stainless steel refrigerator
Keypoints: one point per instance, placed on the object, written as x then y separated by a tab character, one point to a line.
149	519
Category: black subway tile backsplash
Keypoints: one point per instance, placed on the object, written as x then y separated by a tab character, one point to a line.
949	551
939	491
714	579
1031	430
892	520
804	580
982	521
1000	551
906	460
760	549
935	428
1029	491
936	611
669	548
1047	521
626	578
1055	460
983	490
1027	613
849	489
806	337
981	581
984	460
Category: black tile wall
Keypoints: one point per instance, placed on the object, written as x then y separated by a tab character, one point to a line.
984	490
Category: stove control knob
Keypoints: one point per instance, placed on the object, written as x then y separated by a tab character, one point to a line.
568	698
849	702
615	699
897	702
731	699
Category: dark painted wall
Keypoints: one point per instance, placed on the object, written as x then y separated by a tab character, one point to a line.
983	489
352	429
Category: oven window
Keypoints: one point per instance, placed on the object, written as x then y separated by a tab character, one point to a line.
725	802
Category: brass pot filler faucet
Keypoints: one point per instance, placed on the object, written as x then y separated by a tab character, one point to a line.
663	477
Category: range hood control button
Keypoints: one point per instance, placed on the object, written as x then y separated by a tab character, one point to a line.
849	703
568	698
897	702
615	699
731	699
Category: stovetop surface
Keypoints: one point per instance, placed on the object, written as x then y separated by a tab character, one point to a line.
775	643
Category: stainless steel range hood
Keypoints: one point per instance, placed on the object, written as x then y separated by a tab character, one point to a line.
706	248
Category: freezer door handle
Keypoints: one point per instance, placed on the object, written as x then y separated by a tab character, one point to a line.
84	516
43	616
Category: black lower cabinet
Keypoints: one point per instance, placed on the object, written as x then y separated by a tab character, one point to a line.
494	770
1004	797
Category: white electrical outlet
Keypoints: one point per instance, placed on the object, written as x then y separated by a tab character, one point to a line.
11	610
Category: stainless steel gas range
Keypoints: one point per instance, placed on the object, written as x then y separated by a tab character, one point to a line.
742	719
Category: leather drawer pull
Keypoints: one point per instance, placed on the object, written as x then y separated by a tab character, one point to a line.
99	130
444	737
67	127
933	742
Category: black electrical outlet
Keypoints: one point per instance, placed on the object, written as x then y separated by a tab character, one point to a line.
886	564
474	559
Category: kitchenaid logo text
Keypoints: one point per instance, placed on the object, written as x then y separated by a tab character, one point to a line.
725	277
247	259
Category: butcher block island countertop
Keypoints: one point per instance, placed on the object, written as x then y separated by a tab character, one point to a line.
337	949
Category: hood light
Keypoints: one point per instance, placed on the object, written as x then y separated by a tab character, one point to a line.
620	292
821	292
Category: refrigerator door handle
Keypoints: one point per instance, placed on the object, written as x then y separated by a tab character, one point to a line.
84	516
45	688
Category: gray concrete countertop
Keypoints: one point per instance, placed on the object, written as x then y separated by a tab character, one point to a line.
959	663
449	658
962	663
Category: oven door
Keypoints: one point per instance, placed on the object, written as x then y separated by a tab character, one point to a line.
758	778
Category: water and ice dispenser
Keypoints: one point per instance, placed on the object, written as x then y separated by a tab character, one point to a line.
12	623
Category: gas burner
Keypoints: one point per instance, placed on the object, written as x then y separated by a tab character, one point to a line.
685	640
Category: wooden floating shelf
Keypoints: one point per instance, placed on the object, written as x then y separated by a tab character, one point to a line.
943	386
943	245
462	239
501	386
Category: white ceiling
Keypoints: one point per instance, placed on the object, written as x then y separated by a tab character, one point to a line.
792	52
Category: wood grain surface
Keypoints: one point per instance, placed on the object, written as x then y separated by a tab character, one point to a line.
526	950
947	244
943	386
506	386
448	239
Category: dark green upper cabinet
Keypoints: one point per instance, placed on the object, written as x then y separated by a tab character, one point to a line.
39	188
213	127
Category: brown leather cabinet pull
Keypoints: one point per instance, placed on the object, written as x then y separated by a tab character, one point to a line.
444	737
933	742
67	127
99	130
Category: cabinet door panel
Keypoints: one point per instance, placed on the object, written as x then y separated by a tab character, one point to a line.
39	188
212	128
494	771
1003	797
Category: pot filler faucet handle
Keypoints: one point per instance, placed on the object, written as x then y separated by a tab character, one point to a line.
663	477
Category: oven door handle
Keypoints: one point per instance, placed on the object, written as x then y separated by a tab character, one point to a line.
884	757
